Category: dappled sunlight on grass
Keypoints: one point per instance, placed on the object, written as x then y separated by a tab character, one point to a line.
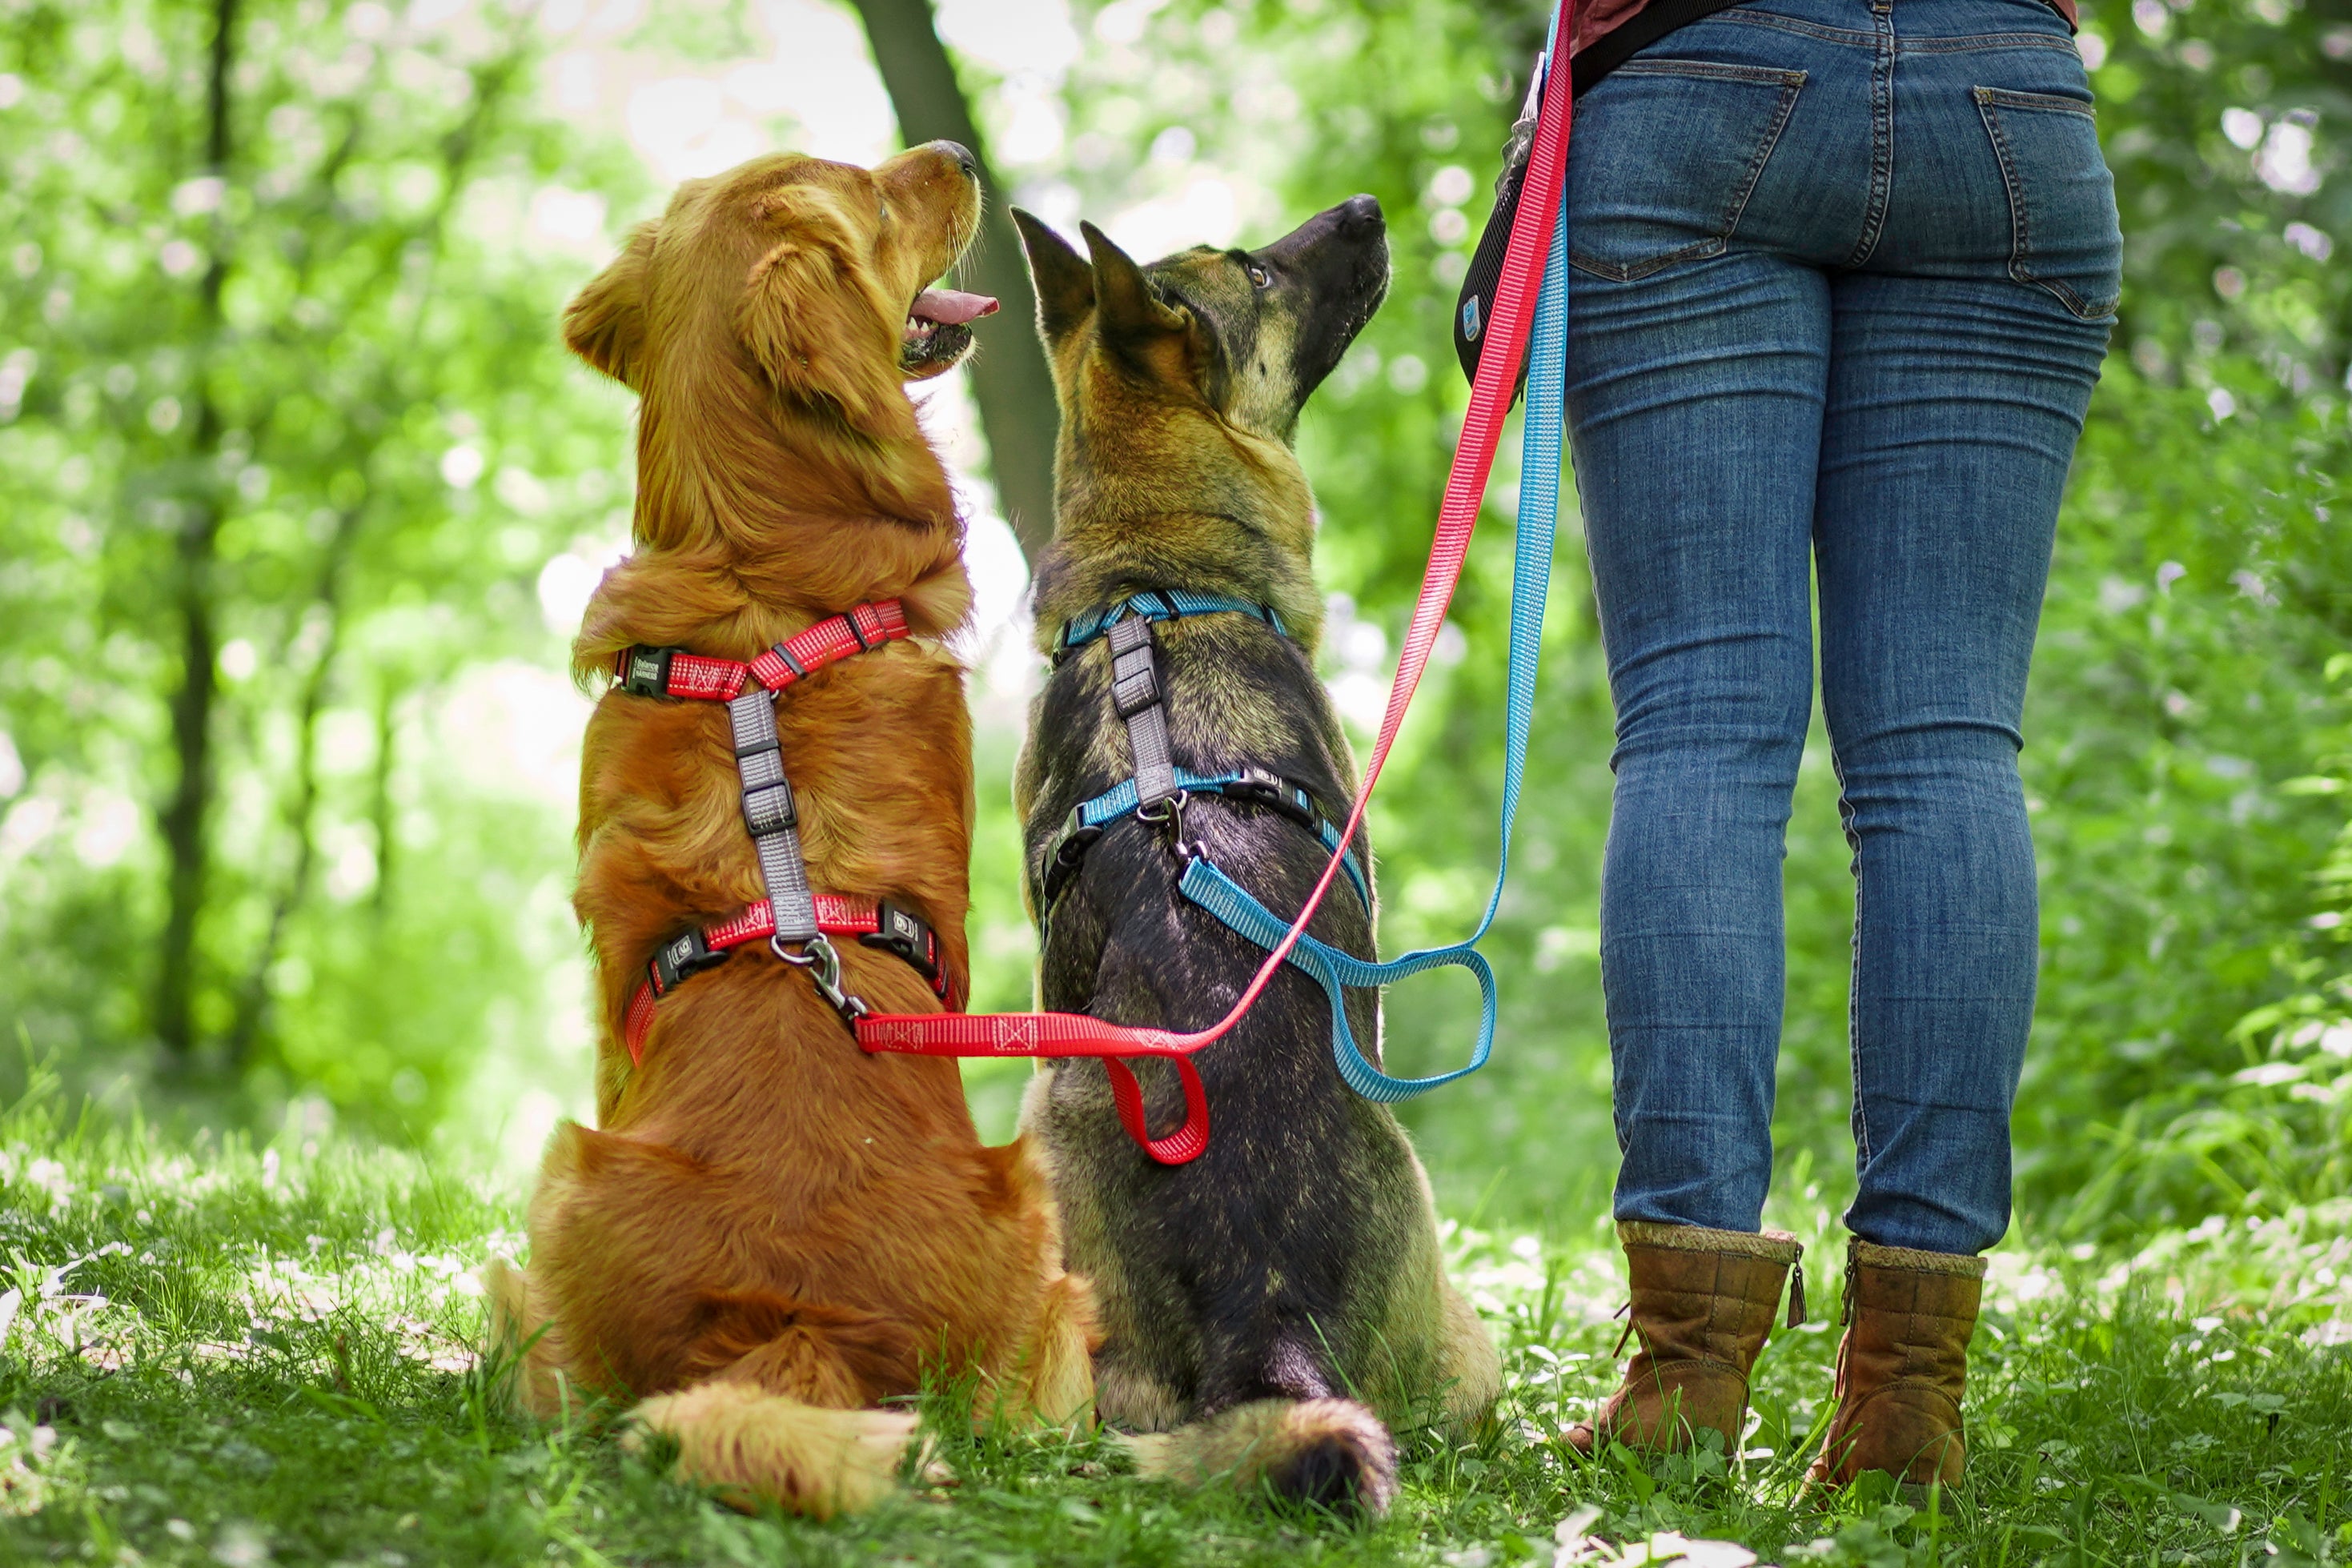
239	1354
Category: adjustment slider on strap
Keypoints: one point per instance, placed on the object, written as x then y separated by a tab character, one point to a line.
783	655
1135	684
768	808
1256	787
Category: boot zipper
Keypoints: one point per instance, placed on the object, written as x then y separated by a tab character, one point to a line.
1846	1322
1797	1290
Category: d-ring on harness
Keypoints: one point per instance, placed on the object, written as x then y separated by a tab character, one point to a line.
797	922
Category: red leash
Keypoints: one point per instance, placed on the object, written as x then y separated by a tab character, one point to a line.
1074	1034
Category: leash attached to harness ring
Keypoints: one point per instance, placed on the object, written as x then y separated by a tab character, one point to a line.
1535	262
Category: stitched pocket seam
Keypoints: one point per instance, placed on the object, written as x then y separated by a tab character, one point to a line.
1790	83
1988	98
2008	99
1977	43
1792	24
1713	70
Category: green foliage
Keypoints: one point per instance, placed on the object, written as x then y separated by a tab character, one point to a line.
2181	708
287	413
289	438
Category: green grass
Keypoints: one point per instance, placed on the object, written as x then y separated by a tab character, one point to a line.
226	1355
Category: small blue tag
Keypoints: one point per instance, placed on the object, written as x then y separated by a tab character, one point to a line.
1470	319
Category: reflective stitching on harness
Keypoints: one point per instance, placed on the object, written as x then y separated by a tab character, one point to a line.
1059	858
791	916
874	922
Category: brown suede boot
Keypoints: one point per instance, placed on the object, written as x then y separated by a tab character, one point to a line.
1901	1367
1702	1305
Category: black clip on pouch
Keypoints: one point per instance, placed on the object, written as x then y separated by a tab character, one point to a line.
1474	313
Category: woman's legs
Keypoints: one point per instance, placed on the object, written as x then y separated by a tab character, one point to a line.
1696	399
1965	343
1954	407
1843	275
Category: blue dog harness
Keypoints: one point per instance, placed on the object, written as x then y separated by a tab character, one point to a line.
1159	793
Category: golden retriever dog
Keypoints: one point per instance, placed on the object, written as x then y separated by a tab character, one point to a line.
769	1233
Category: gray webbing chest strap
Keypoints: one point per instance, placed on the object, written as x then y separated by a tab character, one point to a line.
1136	695
770	814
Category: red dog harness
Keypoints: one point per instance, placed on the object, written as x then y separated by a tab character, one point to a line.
795	921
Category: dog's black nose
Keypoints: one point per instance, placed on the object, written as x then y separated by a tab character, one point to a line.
962	155
1358	212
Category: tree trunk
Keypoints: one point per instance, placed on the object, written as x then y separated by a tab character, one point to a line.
252	1011
250	1018
379	805
1009	378
185	820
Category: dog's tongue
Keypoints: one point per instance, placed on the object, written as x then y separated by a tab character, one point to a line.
950	308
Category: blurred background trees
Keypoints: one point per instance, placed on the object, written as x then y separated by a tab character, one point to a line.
302	499
285	451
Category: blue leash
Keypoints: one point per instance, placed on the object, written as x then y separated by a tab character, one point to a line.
1539	464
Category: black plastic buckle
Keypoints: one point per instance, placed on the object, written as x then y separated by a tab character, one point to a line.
905	933
1256	787
1067	854
680	956
644	672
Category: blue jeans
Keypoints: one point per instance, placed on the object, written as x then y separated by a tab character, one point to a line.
1844	272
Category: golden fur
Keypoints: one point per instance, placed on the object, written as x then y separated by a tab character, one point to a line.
769	1233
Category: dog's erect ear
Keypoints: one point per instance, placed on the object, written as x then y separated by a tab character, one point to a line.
813	316
605	322
1129	314
1065	283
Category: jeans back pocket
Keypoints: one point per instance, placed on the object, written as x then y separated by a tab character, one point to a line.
2063	236
1666	155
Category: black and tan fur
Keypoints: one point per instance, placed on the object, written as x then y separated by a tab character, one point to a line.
1263	1302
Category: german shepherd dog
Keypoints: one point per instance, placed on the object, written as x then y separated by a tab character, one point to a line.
1262	1302
770	1233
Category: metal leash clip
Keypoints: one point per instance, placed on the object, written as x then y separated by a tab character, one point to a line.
818	957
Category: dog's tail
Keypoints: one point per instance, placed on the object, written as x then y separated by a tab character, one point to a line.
742	1440
524	1341
747	1444
1333	1453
